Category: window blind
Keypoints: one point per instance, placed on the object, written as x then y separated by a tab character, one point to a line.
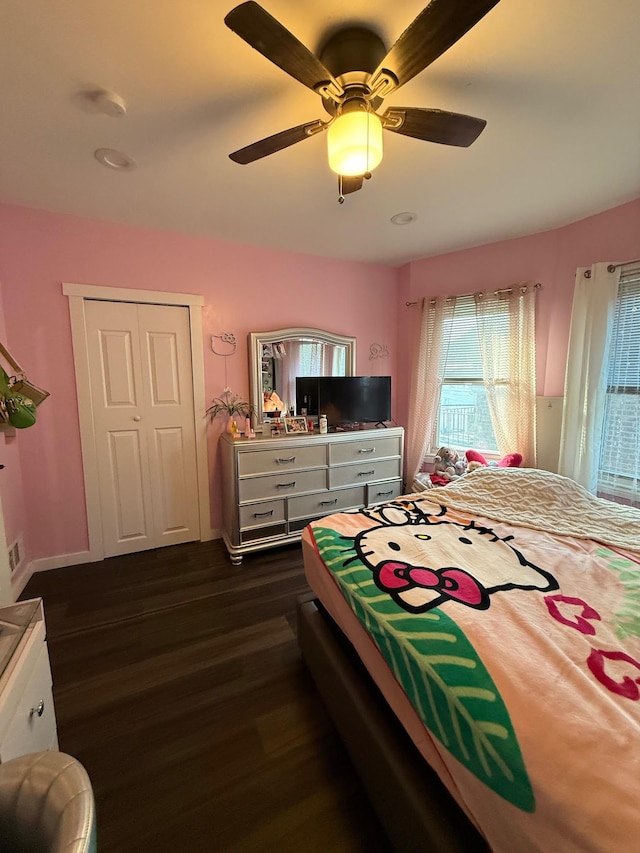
463	414
619	468
461	357
624	364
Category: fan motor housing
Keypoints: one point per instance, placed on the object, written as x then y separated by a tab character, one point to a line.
351	54
352	49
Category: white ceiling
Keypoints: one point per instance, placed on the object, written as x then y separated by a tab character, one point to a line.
556	80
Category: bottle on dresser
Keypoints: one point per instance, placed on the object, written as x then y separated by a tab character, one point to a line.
323	425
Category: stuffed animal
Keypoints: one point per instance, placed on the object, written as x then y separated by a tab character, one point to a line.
448	464
511	460
461	466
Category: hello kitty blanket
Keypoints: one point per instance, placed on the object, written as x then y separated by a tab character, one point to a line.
519	649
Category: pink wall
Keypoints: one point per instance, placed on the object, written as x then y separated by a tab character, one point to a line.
11	487
245	289
550	257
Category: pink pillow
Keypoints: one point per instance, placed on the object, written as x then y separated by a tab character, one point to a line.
474	456
511	460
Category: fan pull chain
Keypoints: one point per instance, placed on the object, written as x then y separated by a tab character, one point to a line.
340	195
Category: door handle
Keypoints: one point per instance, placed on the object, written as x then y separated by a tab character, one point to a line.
136	417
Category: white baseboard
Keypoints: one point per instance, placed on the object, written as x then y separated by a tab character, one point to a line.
45	563
21	577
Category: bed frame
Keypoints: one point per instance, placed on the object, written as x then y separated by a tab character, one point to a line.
413	805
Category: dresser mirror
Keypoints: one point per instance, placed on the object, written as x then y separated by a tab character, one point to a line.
276	358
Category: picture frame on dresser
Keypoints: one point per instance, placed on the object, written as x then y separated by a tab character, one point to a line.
295	425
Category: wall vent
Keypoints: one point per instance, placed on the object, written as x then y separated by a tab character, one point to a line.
16	554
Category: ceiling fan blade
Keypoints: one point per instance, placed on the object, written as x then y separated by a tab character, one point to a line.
436	28
267	35
277	142
433	125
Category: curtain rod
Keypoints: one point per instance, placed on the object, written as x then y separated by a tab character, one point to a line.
536	286
613	267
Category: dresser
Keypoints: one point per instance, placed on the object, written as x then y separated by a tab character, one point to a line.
273	487
27	717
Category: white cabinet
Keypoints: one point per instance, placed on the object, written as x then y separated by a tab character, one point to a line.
273	487
27	717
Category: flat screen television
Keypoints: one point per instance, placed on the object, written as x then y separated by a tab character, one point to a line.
354	399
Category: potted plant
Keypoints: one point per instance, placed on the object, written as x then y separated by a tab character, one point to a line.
230	405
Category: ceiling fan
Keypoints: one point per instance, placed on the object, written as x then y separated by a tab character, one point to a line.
353	73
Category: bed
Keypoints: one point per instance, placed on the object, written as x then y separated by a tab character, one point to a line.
499	620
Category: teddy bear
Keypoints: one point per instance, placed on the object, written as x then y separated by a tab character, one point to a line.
448	464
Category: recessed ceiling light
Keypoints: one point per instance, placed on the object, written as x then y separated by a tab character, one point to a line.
114	159
404	218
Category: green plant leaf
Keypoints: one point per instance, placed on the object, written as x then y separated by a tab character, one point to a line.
441	673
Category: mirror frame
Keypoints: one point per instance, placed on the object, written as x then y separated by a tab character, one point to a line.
257	339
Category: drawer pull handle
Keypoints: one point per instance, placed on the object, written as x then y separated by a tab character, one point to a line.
366	473
329	503
366	450
265	514
285	485
384	494
286	461
38	710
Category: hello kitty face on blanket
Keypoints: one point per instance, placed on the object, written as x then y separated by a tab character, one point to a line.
423	560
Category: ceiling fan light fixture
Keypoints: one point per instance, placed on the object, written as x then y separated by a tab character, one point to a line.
353	73
354	143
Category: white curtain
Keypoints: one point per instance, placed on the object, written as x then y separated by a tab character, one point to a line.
594	303
506	332
306	358
426	381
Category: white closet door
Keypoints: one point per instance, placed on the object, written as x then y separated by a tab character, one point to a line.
168	390
142	399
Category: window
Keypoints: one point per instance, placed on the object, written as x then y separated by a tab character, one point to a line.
474	375
319	359
464	419
305	358
619	462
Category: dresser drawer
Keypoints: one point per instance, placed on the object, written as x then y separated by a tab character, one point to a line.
368	448
366	472
274	486
32	727
257	515
285	458
279	485
308	506
380	492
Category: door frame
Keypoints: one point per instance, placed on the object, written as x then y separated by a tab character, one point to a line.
78	295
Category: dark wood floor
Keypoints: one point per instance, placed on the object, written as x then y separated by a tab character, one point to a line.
178	683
